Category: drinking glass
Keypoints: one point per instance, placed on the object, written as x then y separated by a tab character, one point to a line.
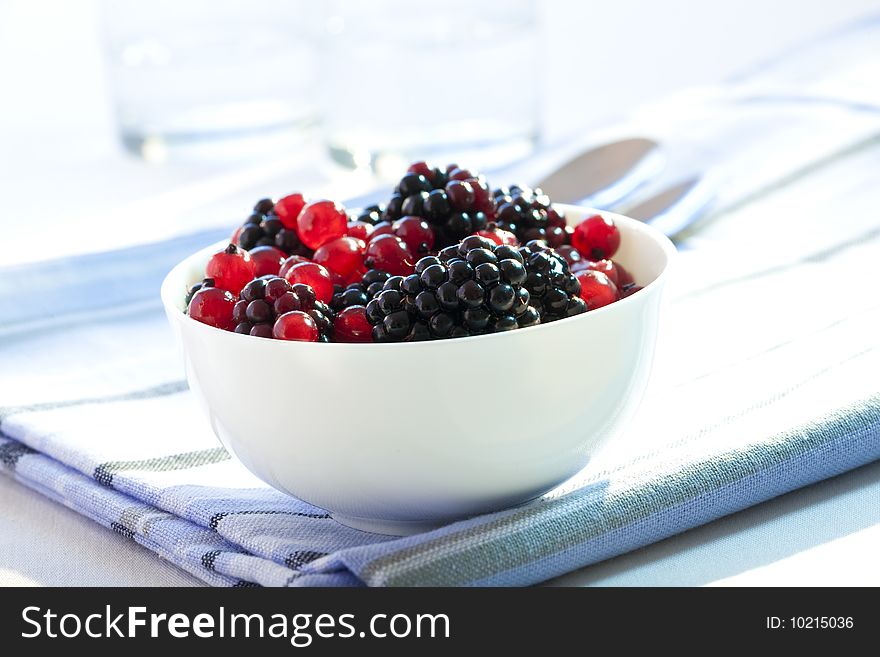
198	72
405	80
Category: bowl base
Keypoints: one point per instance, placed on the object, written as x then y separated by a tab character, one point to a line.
386	527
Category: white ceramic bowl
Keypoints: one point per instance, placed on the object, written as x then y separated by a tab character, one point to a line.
396	437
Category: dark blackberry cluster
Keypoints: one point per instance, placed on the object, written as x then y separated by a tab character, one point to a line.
358	294
528	214
350	295
554	291
472	288
454	202
264	228
372	214
265	298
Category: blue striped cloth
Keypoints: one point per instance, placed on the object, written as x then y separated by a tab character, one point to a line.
766	381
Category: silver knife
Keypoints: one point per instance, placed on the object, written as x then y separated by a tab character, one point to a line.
608	176
605	175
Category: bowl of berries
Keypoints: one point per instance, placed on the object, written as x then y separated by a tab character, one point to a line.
454	351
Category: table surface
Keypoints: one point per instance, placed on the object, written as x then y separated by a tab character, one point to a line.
826	534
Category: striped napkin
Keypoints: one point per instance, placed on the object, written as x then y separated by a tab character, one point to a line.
765	381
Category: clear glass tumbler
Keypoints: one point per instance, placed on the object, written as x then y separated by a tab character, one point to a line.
405	80
198	72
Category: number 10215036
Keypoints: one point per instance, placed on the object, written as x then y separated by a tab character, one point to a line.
810	623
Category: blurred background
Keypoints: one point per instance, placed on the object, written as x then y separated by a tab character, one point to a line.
126	121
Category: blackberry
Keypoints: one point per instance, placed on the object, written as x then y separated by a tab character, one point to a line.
264	228
554	292
529	214
372	214
359	294
264	206
455	203
264	299
207	282
352	295
472	288
373	281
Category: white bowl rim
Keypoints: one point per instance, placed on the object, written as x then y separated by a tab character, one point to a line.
169	297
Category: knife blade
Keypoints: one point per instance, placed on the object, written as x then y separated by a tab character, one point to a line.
606	174
675	207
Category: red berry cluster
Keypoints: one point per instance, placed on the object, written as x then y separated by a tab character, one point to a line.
306	270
